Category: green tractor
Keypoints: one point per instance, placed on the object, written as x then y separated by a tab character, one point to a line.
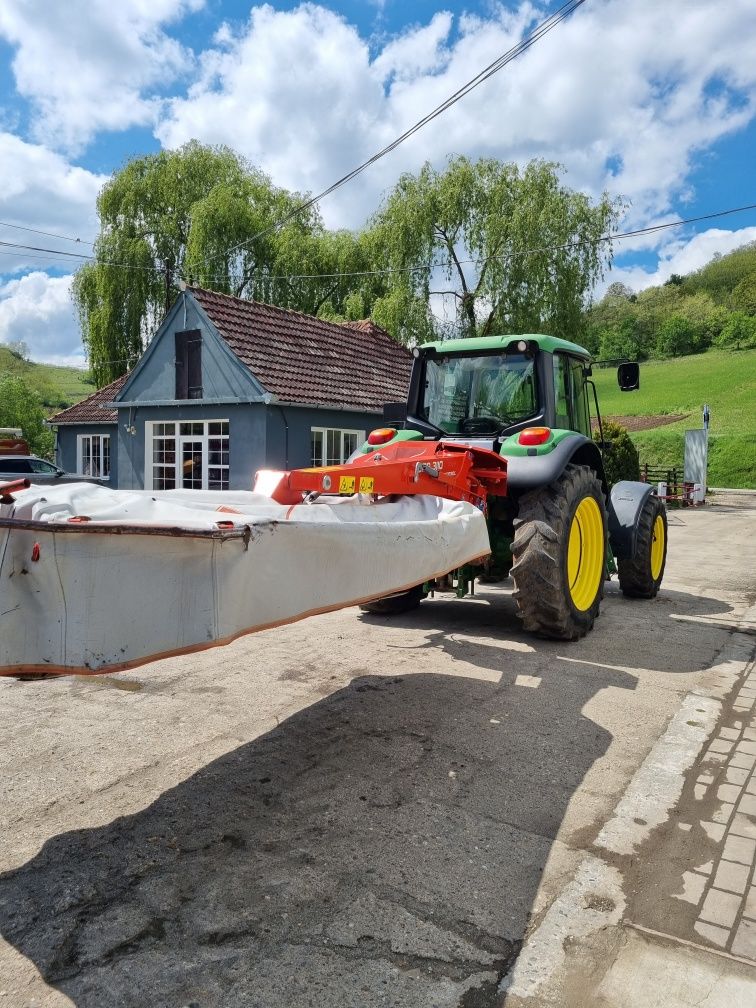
561	530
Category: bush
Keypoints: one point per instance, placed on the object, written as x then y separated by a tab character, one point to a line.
620	454
20	406
739	333
676	337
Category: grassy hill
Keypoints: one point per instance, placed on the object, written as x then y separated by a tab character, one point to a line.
57	387
726	380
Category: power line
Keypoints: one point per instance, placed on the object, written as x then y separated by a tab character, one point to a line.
77	255
274	278
47	234
546	26
617	236
35	248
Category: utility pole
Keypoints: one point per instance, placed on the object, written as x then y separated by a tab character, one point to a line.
168	278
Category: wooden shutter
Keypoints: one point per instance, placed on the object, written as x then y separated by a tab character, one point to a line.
189	364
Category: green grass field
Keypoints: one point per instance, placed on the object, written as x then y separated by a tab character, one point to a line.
57	387
726	380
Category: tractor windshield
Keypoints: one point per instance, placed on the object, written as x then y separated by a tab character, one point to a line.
479	395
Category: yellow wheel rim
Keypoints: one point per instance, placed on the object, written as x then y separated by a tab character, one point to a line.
657	547
585	554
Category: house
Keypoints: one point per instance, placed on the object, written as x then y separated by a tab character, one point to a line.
227	387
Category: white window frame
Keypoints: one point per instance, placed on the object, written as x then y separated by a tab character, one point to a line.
343	454
80	438
205	437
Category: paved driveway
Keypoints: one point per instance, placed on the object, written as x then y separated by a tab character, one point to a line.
350	811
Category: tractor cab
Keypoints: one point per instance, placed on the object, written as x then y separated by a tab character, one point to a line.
484	391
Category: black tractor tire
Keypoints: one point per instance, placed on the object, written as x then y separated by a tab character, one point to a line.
545	563
641	575
392	605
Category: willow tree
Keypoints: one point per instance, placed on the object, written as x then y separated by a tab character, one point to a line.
518	250
201	213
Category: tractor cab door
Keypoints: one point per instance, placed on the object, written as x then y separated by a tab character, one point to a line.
571	394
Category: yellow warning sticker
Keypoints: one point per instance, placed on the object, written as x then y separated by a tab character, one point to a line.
366	484
346	484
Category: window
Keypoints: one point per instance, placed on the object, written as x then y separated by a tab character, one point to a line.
562	419
582	421
189	364
483	393
93	455
43	468
332	446
193	455
570	394
13	465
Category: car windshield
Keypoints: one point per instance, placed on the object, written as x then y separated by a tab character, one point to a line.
38	466
479	395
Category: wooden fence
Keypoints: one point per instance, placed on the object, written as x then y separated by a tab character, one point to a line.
679	491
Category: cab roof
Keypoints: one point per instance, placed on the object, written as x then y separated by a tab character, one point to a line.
476	343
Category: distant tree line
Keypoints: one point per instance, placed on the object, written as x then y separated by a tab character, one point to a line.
713	307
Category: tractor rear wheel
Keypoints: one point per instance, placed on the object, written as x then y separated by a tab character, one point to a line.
559	552
641	575
392	605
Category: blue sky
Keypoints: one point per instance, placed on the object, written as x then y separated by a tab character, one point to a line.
654	102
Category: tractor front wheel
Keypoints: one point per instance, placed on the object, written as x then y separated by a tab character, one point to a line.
392	605
559	552
641	575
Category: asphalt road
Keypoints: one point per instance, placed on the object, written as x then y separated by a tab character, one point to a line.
350	811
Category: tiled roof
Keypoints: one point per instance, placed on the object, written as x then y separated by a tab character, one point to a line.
302	359
90	410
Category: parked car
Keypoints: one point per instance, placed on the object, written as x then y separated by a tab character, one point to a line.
37	470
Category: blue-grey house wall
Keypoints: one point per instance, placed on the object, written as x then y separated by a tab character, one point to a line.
229	392
223	374
262	433
66	450
290	448
246	438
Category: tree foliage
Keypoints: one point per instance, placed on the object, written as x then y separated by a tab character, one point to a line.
520	251
178	213
685	316
720	276
20	406
205	214
620	454
739	333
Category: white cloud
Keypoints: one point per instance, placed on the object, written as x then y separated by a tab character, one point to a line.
38	310
681	256
40	189
295	92
90	65
625	95
420	50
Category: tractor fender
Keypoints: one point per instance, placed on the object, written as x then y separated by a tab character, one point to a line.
625	505
530	472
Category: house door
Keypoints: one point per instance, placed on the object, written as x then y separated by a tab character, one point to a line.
192	455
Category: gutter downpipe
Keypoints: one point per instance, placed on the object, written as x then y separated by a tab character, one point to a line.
286	433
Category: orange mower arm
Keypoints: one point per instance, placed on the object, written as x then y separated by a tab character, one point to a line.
438	468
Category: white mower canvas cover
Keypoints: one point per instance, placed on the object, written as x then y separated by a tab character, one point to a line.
93	579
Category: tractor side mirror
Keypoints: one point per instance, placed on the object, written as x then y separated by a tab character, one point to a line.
394	412
628	376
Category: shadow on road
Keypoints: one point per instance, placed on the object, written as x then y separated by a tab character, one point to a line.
382	847
657	635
